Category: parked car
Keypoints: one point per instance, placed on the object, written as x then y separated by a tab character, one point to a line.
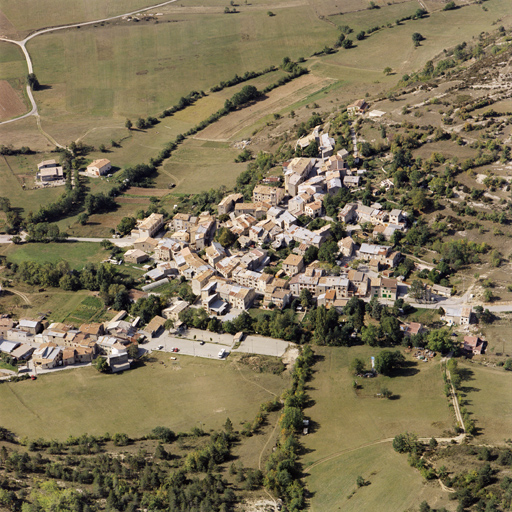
201	342
160	347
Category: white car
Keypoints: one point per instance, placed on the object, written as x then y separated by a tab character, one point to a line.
160	347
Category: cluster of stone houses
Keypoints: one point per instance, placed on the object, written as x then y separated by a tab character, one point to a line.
58	344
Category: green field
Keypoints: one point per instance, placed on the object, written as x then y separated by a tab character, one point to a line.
393	484
179	394
489	395
77	254
346	420
30	15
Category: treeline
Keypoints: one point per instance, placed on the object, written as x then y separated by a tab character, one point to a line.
183	103
102	277
283	470
248	75
10	151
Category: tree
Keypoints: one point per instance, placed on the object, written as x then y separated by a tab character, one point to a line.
417	38
83	218
508	365
133	350
361	35
141	123
419	200
439	340
450	6
228	426
425	507
417	290
270	13
126	225
33	82
128	124
370	335
357	366
405	443
387	70
306	299
386	361
225	237
101	364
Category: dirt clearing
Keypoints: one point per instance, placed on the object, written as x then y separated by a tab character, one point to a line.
276	100
11	104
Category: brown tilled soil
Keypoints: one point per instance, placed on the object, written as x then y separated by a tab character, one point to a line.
11	105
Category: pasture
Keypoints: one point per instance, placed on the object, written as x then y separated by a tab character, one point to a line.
345	419
179	394
27	15
488	392
387	473
77	254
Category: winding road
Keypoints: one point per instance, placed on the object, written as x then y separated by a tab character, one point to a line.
23	45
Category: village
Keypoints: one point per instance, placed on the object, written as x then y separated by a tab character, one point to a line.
229	260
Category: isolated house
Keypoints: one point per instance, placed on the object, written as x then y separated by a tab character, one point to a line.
99	168
49	170
473	345
358	107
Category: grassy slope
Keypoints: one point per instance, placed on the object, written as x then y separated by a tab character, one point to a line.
489	393
77	254
30	15
348	421
139	69
390	477
191	392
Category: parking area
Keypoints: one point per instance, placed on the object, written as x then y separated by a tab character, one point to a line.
263	346
200	348
184	346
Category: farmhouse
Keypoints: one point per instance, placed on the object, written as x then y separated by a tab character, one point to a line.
98	168
473	345
49	170
135	256
151	225
358	107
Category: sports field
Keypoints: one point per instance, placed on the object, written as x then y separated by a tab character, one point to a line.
346	420
179	394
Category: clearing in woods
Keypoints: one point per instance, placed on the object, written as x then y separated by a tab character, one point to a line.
11	105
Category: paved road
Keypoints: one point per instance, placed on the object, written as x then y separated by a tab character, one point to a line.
22	44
